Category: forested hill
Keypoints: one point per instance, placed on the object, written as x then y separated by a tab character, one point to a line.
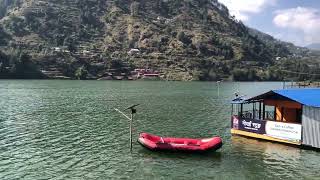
180	39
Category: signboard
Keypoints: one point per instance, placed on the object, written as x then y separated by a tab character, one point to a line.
286	131
279	130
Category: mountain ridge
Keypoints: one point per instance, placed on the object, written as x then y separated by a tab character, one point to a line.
184	39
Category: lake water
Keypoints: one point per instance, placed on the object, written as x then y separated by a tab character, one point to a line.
69	130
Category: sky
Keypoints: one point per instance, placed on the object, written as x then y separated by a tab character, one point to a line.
296	21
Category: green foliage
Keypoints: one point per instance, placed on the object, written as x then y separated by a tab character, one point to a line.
18	65
134	8
4	37
16	25
181	38
70	43
184	38
81	73
6	5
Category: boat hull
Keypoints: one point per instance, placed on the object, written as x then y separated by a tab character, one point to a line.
157	143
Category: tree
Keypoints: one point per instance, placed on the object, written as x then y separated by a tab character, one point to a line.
81	73
23	67
3	37
70	43
184	38
134	8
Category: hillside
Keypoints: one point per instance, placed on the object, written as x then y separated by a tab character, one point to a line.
179	39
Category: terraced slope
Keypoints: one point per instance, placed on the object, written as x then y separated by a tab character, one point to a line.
183	39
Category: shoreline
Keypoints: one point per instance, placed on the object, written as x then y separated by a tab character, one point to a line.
152	80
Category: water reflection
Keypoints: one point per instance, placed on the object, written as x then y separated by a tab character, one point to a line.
278	159
214	155
266	147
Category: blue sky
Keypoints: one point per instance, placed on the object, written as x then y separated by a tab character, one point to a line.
296	21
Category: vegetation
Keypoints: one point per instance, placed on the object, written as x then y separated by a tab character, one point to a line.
182	39
81	73
18	65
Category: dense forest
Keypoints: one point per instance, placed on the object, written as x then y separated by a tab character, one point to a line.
179	39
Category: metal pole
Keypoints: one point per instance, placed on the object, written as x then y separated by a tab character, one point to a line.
131	121
133	111
122	113
218	84
218	89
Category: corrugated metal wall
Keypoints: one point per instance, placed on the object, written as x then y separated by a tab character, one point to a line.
311	126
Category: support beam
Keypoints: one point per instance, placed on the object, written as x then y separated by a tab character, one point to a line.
253	110
264	112
260	110
231	110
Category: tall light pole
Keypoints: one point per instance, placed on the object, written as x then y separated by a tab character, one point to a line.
133	111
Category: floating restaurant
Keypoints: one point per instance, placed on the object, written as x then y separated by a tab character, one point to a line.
288	116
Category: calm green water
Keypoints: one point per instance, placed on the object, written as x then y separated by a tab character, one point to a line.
69	130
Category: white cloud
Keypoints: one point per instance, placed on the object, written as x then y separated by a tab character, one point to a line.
243	9
305	20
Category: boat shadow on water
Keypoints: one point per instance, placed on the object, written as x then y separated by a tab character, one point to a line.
214	155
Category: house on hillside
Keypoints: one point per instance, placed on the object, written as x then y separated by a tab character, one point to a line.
133	51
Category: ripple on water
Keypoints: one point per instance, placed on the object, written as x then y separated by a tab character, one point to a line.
69	130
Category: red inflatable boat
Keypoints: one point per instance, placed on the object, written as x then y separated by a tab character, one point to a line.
155	143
